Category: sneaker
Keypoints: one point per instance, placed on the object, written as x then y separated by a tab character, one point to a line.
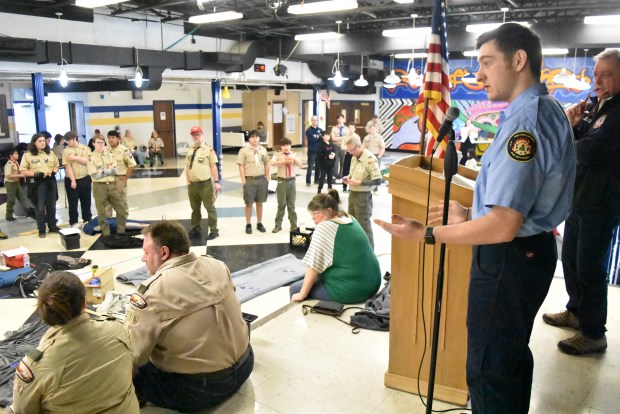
308	184
213	234
32	214
276	229
564	319
194	232
10	218
3	236
248	229
581	345
54	229
261	228
42	235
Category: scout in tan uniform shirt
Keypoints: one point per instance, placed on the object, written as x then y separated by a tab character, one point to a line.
202	180
78	184
131	144
41	163
124	164
286	191
156	145
190	341
363	177
14	191
253	164
81	365
101	168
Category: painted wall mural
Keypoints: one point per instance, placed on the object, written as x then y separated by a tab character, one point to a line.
400	121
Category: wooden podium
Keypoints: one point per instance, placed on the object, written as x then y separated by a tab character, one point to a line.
414	288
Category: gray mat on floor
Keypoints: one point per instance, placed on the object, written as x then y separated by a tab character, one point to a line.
250	282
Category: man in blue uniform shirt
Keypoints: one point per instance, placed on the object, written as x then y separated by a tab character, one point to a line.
596	211
314	135
523	191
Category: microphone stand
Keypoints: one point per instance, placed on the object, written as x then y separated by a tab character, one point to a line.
450	168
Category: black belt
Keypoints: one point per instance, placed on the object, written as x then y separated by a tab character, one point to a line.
286	179
223	373
248	177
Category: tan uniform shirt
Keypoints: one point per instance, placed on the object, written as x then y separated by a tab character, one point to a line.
156	144
376	123
101	161
42	162
187	318
284	171
81	367
130	143
374	143
364	168
338	134
203	160
80	150
11	168
124	159
253	160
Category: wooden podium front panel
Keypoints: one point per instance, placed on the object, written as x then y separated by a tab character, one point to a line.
414	289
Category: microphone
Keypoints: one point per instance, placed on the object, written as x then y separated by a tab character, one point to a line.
450	162
446	127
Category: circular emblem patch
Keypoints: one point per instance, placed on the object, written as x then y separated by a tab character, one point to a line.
521	146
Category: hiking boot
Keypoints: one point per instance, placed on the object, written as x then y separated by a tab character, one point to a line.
248	229
277	229
261	228
3	236
213	234
11	218
564	319
581	345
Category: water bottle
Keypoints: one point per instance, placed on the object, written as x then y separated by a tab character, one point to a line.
2	260
26	260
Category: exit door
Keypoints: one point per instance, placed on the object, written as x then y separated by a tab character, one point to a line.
163	121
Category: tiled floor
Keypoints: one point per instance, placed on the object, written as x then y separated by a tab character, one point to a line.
312	363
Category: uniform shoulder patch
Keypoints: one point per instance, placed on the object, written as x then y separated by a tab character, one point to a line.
599	122
24	372
138	301
521	146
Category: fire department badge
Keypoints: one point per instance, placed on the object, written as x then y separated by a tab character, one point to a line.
521	146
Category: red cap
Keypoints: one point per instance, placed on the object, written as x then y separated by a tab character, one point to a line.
195	130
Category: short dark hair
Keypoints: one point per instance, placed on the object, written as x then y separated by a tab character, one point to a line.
511	37
253	133
169	233
114	133
340	116
46	134
71	135
286	141
61	296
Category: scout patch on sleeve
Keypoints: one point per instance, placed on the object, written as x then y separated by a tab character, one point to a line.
138	301
131	317
24	373
521	146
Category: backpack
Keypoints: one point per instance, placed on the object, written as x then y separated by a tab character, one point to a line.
26	283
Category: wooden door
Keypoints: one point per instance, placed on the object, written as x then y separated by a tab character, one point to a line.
357	112
163	122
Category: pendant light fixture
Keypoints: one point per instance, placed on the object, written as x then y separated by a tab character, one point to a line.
138	77
573	82
563	76
63	79
412	75
361	82
225	92
391	79
337	78
469	77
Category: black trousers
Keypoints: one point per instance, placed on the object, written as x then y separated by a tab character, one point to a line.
509	282
82	193
325	172
191	392
346	168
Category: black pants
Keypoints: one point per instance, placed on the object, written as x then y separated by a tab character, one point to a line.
346	168
191	392
312	163
47	194
325	171
82	193
587	239
509	282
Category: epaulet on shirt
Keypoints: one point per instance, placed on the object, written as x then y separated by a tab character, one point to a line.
144	286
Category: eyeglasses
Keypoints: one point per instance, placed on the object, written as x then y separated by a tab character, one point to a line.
99	142
314	213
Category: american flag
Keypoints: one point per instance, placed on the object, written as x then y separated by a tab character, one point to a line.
325	97
436	85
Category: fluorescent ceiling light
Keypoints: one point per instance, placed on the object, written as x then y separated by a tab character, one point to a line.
554	51
481	28
216	17
611	19
404	1
410	55
322	7
418	31
96	3
317	36
470	53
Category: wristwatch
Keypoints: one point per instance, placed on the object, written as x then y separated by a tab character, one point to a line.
428	236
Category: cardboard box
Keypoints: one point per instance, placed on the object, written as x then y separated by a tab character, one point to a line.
14	258
70	238
96	294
